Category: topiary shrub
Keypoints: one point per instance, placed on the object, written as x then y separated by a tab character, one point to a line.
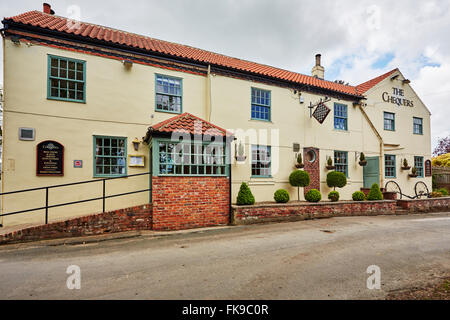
313	195
299	178
281	196
336	179
443	191
358	196
245	196
333	196
375	193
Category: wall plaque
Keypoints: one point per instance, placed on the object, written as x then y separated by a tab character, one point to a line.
50	159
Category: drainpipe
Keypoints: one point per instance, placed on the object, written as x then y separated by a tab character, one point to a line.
208	102
381	162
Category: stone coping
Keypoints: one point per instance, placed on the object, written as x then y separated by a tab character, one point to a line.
305	203
427	199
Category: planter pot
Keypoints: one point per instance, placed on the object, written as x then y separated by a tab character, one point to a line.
363	163
331	167
412	175
241	158
406	168
299	165
387	195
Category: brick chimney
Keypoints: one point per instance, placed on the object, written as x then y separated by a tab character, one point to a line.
47	8
318	71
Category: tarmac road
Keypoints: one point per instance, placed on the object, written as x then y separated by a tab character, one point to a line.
316	259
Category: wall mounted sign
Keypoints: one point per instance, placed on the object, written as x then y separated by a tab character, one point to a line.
428	168
321	112
136	161
78	163
50	159
397	97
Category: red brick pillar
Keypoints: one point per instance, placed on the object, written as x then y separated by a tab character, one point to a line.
312	167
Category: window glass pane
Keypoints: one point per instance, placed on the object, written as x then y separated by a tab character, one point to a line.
261	160
260	108
68	75
110	156
340	116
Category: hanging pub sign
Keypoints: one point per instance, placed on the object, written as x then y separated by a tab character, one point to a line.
50	159
397	97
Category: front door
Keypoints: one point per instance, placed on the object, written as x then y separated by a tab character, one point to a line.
371	172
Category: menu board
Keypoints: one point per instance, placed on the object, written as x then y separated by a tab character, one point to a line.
50	159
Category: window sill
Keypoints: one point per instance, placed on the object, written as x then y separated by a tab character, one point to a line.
341	130
261	120
172	112
110	176
66	100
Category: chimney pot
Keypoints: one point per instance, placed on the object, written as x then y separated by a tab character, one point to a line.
47	8
318	59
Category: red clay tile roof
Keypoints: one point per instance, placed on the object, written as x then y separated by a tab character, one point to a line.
364	87
188	123
57	23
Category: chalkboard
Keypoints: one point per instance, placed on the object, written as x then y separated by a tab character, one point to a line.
50	159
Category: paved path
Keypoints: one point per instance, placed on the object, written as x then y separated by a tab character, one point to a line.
317	259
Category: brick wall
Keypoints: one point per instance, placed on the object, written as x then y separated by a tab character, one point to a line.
189	202
304	211
313	168
134	218
425	205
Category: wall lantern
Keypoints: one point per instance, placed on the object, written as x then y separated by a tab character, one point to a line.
136	143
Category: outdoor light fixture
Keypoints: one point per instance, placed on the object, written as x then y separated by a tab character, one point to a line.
136	143
127	63
406	81
15	40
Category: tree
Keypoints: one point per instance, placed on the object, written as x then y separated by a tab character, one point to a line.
299	178
245	196
442	147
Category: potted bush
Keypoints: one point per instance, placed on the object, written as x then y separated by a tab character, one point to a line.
413	173
313	195
336	179
375	193
299	163
333	196
358	196
405	165
281	196
362	159
330	164
299	178
245	196
240	156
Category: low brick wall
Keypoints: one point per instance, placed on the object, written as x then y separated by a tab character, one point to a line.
134	218
302	211
190	202
425	205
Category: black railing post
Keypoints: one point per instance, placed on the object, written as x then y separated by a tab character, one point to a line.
46	205
104	188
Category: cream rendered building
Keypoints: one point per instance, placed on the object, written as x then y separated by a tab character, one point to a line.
113	95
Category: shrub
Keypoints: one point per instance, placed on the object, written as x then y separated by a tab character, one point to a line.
436	194
375	193
362	156
313	195
336	179
281	196
443	191
358	196
245	196
329	161
299	158
333	196
299	178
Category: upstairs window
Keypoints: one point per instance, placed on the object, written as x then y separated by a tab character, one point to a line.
66	79
341	161
418	163
389	166
110	156
261	161
340	116
260	104
389	121
169	94
417	125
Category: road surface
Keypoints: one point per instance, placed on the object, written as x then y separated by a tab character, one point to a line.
316	259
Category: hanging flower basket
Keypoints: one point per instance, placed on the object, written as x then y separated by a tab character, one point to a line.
413	175
299	165
330	167
363	163
406	168
241	158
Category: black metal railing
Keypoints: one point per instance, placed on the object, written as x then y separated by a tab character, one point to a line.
47	188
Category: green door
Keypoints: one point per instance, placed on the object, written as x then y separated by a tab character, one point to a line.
371	172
